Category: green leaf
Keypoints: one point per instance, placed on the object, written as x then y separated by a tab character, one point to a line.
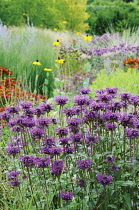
127	199
112	206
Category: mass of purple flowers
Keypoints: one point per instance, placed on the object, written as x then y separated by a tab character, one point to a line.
87	146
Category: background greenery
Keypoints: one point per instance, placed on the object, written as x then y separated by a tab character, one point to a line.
92	16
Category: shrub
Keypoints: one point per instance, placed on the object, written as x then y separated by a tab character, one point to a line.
124	80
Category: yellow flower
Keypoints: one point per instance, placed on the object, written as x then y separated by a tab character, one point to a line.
87	38
45	69
57	43
78	33
64	22
55	29
66	31
60	60
60	38
36	63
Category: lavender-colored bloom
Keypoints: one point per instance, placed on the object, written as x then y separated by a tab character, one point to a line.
28	161
85	91
62	132
38	111
134	100
125	96
91	139
13	109
68	149
81	100
49	142
43	122
15	183
132	133
96	106
25	104
37	132
110	116
84	164
29	112
17	129
73	122
61	100
77	137
104	97
82	183
6	116
66	196
110	159
46	107
13	174
64	141
55	150
111	126
104	179
42	162
57	167
13	150
54	121
126	119
114	168
112	91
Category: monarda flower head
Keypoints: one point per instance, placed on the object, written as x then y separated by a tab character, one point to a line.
42	162
111	126
81	100
57	167
84	164
104	179
37	132
61	100
85	91
46	107
28	161
132	133
66	196
61	132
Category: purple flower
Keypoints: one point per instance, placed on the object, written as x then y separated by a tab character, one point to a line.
25	104
61	100
66	196
46	107
85	91
13	109
110	159
57	167
13	150
104	97
68	149
114	168
42	162
132	133
62	132
15	183
37	132
82	183
55	150
111	126
6	116
91	139
112	91
77	137
81	100
125	96
43	122
13	174
49	142
64	141
104	179
84	164
28	161
73	122
110	116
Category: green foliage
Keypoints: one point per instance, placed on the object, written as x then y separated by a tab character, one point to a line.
51	13
124	80
117	14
